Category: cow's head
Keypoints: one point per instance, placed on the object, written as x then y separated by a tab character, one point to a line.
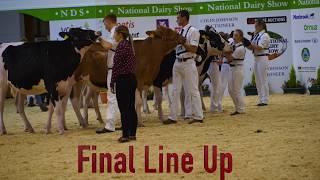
166	34
80	37
216	41
214	38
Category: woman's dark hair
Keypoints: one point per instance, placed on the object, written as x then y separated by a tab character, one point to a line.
240	33
124	31
261	22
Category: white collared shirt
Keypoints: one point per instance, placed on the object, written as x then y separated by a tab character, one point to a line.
111	40
261	39
192	36
238	54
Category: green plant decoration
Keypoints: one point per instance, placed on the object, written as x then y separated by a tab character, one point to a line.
251	84
292	82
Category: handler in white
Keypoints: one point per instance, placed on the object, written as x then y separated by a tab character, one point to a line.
110	22
236	77
185	70
260	47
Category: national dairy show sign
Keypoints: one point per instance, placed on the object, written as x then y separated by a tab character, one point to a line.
293	25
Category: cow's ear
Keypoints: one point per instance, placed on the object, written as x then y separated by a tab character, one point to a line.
150	33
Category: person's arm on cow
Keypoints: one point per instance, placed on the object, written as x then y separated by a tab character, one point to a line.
194	42
105	44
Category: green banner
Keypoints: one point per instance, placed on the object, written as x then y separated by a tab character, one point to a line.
169	9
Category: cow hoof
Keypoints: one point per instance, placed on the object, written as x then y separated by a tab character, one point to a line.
29	130
3	132
100	121
85	126
61	132
48	131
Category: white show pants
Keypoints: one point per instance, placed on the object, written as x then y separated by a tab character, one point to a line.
225	71
235	86
187	102
260	71
215	77
187	73
112	106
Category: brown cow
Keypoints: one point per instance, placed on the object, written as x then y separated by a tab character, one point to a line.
149	54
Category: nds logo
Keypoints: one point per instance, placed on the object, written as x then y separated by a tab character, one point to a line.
305	54
72	13
304	16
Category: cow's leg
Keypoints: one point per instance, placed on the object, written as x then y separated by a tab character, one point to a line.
3	92
27	125
201	96
155	105
16	101
64	108
138	108
158	94
75	97
145	101
59	113
87	98
95	96
50	113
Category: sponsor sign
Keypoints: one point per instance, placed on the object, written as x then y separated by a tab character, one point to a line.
307	41
275	19
305	54
303	16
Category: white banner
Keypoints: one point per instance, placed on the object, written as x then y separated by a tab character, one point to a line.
306	36
282	26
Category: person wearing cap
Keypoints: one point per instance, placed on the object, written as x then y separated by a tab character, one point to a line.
260	47
185	70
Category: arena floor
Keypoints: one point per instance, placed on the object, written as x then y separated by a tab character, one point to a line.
286	147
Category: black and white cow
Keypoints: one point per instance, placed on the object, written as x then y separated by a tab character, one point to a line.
35	68
210	44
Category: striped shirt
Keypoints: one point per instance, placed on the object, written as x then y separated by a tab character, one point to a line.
123	62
